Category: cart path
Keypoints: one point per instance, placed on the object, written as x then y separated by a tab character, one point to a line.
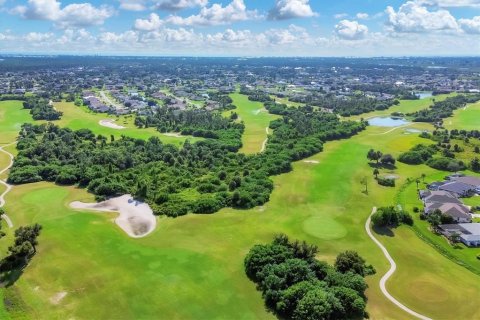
8	186
393	267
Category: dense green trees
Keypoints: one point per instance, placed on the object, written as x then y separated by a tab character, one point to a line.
201	178
443	109
391	217
40	109
297	286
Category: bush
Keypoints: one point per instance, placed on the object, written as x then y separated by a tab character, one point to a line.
387	182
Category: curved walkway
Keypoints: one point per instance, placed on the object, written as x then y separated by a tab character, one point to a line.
264	144
391	130
393	267
8	187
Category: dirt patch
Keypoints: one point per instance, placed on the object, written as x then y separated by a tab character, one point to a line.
58	297
135	217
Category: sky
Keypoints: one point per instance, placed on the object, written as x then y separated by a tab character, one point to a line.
353	28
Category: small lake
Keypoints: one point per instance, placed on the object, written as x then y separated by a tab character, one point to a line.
424	94
387	122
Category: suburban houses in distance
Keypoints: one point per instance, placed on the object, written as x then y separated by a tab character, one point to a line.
445	196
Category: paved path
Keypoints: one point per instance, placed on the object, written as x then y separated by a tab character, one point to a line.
8	187
393	267
399	127
264	144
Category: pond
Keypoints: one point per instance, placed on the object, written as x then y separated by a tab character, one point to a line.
387	122
424	94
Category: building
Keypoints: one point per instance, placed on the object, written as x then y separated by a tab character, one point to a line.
468	233
447	203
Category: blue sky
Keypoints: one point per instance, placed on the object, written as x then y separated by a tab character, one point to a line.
242	27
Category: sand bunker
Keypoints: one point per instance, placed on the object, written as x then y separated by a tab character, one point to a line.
311	161
135	218
110	123
173	134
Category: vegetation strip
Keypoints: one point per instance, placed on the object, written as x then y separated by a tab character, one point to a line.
390	272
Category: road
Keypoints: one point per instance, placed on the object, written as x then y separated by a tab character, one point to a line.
8	187
393	267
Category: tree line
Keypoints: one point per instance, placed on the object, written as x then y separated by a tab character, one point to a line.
443	109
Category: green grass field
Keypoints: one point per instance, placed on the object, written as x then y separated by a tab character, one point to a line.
192	267
467	119
12	116
256	120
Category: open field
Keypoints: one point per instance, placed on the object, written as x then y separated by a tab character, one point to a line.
467	119
12	116
256	120
197	260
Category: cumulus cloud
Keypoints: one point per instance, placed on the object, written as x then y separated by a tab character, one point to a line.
413	17
350	30
340	16
152	23
72	15
289	9
471	26
175	5
216	15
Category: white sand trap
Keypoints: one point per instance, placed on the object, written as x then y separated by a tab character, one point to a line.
311	161
135	218
173	134
58	297
110	123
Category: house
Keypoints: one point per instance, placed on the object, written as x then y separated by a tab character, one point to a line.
447	203
471	181
468	233
458	188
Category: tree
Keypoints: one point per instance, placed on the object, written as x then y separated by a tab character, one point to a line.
376	173
423	177
387	160
350	261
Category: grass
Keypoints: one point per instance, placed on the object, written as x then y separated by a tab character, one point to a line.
12	116
256	120
192	267
467	119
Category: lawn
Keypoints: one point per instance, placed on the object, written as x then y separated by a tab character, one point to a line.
192	267
256	120
12	116
467	119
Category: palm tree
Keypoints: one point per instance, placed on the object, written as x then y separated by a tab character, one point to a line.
376	173
423	177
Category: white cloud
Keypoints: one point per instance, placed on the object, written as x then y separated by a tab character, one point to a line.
289	9
413	17
133	5
72	15
175	5
350	30
152	23
38	36
451	3
362	16
216	15
471	26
